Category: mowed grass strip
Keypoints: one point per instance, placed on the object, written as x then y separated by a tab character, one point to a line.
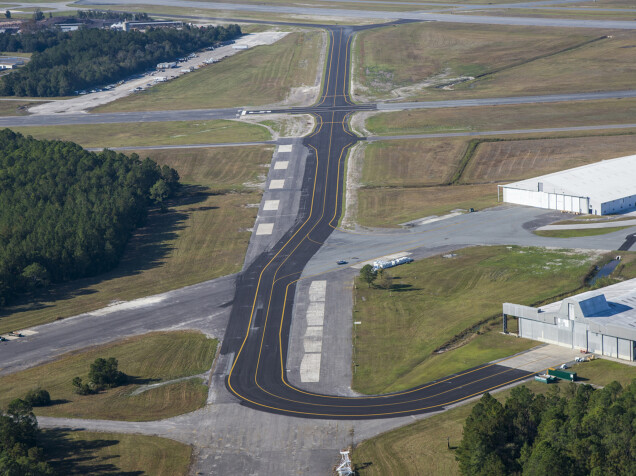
204	235
424	56
603	372
15	108
579	232
493	118
261	75
148	359
151	133
72	452
436	299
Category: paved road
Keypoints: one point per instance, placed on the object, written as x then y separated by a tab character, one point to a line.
501	132
323	107
256	340
180	309
383	15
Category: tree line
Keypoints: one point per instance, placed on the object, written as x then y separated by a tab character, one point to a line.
19	452
584	432
111	15
63	63
66	212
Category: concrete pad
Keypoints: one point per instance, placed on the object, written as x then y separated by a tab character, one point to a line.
276	184
271	205
285	148
316	314
281	165
310	368
541	358
265	229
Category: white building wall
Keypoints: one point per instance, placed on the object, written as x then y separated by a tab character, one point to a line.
624	349
551	201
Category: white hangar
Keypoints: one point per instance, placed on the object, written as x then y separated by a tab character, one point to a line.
602	188
602	321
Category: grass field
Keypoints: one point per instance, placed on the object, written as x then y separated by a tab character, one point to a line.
422	447
15	108
602	372
581	232
203	236
413	178
72	452
153	358
512	160
523	116
401	329
262	75
391	206
151	133
418	60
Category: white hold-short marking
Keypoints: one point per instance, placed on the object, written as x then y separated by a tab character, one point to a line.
316	313
310	368
265	229
281	165
270	205
313	339
275	184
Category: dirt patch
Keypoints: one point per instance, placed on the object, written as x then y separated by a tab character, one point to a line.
359	121
354	172
284	125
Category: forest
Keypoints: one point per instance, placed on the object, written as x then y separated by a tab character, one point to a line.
63	63
67	212
19	453
582	432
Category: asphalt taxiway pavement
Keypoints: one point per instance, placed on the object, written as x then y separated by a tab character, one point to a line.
256	341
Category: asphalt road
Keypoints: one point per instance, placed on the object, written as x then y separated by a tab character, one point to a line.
256	340
323	107
383	15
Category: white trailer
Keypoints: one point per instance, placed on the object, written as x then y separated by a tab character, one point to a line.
383	264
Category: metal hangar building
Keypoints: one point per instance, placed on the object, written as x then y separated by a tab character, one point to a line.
601	188
602	321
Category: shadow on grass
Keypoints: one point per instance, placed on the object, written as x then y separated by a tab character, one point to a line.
134	380
146	249
70	456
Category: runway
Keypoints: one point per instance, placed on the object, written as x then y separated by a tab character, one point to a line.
256	340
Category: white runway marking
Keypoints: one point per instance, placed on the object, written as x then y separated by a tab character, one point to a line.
281	165
316	313
270	205
312	342
310	368
285	148
265	229
275	184
313	339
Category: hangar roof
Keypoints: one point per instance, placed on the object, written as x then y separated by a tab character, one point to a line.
618	308
602	181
